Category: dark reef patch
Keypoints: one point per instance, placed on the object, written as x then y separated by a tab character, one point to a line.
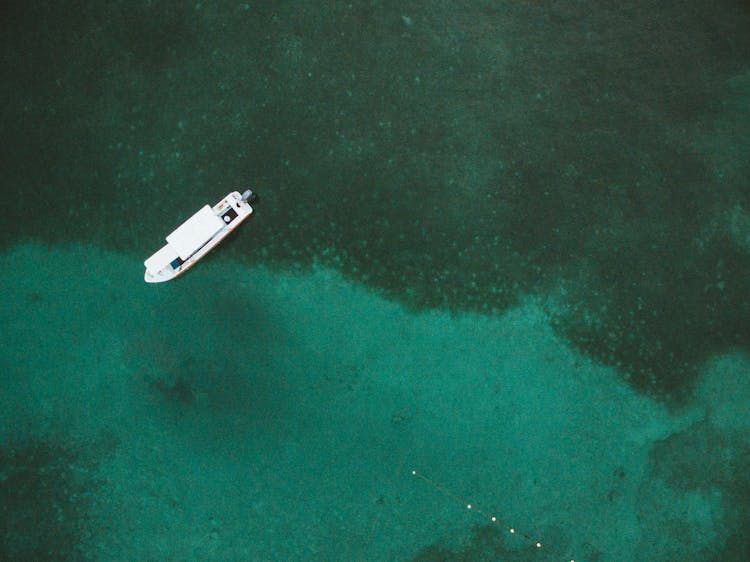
45	495
712	468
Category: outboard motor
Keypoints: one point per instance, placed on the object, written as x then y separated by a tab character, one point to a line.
249	196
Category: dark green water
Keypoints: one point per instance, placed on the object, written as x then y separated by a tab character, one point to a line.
503	244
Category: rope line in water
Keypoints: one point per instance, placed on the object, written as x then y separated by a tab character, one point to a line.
471	507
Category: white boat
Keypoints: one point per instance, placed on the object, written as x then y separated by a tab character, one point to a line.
197	236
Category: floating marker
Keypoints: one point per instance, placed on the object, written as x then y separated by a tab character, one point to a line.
471	507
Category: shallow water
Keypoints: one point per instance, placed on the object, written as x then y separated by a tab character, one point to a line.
505	246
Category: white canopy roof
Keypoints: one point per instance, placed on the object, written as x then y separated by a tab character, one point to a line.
195	232
161	259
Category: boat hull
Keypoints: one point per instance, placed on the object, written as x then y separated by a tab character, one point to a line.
183	251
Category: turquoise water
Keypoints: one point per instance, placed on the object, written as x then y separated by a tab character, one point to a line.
499	260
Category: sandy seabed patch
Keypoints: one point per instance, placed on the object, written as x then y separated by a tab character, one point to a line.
243	413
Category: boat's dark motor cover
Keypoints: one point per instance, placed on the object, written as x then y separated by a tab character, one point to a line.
229	216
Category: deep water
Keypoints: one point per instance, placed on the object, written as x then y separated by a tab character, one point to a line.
503	244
